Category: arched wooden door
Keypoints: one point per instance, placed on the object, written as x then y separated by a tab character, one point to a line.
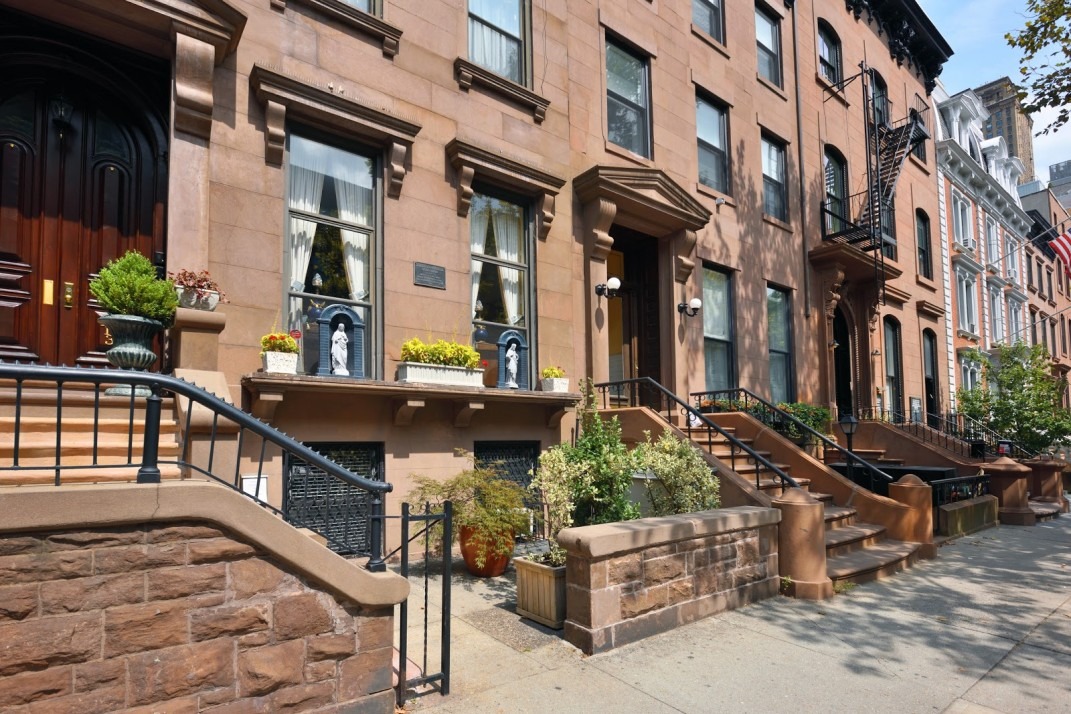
82	180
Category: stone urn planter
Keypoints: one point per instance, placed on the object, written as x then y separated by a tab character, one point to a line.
280	362
439	374
132	338
555	384
541	592
188	297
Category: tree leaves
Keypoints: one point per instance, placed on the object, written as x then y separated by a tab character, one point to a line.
1045	66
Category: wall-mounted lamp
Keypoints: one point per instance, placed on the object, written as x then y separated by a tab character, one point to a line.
609	288
691	309
719	201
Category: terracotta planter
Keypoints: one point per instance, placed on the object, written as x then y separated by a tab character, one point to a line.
439	374
280	362
494	565
541	593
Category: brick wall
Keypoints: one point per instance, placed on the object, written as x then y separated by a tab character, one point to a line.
627	581
178	617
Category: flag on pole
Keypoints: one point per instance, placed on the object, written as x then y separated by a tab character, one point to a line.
1061	244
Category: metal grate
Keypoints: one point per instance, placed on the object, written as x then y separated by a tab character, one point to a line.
338	511
515	460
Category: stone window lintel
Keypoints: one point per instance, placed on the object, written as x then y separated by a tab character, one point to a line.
467	74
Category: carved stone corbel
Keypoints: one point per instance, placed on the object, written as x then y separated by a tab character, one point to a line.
405	409
599	215
464	410
399	152
464	78
832	289
195	62
465	174
275	132
684	246
546	215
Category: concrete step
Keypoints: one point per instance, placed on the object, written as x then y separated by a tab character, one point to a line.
79	400
878	561
847	539
83	425
110	474
1044	511
826	498
40	450
773	483
839	516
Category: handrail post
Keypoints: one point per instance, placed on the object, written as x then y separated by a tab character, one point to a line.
150	469
376	564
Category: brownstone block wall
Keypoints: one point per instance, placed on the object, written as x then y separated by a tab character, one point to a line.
178	617
628	581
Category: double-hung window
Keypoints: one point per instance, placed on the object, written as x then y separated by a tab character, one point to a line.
718	351
962	228
496	37
922	243
712	136
779	331
970	374
1015	320
967	301
835	173
774	198
880	92
768	43
1011	260
829	53
628	99
992	242
996	315
709	17
501	280
332	237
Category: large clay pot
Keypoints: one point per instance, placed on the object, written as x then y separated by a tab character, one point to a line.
494	565
132	340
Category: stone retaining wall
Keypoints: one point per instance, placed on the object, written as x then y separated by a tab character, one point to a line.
627	581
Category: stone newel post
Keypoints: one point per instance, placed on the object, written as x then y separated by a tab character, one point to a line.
1008	481
801	545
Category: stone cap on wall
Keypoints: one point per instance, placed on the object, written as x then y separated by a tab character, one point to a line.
601	541
47	508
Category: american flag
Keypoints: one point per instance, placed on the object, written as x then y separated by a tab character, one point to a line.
1062	245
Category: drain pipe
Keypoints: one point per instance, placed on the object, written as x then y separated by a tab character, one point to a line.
799	149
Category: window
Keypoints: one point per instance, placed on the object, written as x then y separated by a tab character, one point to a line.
1048	282
1063	336
496	37
880	92
894	384
970	374
996	315
829	61
365	5
768	40
1033	327
332	240
1052	337
1029	271
919	114
1015	318
963	231
836	178
888	228
710	120
779	329
1011	260
627	100
992	242
707	15
922	242
718	329
774	200
498	235
1041	277
967	302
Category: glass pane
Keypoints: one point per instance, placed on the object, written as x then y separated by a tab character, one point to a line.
779	378
773	160
497	229
495	50
712	169
625	75
769	67
501	293
716	317
710	121
718	367
773	199
109	138
327	274
360	4
626	126
707	16
503	14
765	31
330	181
777	319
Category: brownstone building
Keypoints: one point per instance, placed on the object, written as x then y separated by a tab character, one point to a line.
485	171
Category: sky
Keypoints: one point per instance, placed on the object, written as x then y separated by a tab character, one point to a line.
975	29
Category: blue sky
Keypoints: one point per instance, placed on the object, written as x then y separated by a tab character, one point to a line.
975	29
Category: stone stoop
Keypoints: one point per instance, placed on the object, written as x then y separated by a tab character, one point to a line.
1044	510
860	552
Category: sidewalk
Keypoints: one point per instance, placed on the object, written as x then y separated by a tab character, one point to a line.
986	627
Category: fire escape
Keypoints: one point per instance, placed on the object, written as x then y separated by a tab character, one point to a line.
865	220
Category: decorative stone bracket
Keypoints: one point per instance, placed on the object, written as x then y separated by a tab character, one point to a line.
194	70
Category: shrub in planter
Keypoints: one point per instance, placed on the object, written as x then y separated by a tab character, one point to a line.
816	417
441	352
279	352
685	483
197	290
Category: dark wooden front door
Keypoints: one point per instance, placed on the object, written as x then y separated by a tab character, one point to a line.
82	181
641	328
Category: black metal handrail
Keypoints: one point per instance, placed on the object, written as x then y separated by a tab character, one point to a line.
157	387
741	399
950	490
954	432
627	392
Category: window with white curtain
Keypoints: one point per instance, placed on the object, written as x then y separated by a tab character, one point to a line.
718	353
992	242
996	315
498	235
708	16
1015	320
496	37
962	228
829	53
967	301
970	374
1011	260
331	237
779	332
774	198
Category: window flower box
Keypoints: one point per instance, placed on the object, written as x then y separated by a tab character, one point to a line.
439	374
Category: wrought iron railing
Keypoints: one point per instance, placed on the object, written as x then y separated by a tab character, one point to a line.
951	490
644	391
859	470
354	530
955	433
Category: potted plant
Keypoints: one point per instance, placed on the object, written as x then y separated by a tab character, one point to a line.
553	379
279	352
441	362
139	305
488	513
198	291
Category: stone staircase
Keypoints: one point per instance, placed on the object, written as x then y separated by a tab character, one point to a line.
856	552
99	439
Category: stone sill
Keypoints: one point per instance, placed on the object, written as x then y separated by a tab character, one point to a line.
469	74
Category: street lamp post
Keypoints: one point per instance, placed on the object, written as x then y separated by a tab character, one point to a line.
848	424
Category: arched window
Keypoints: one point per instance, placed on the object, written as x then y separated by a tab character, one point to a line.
922	242
929	374
894	390
880	92
835	169
829	53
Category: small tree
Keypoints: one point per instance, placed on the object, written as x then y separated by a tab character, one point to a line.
1045	41
1020	397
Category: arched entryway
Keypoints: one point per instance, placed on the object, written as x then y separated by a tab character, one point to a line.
930	384
83	179
842	363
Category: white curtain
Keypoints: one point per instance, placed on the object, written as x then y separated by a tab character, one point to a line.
507	224
354	206
478	218
493	50
306	188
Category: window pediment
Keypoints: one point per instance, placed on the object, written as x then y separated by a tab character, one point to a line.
332	109
389	35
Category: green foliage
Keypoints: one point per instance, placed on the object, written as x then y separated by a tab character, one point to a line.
484	501
129	286
552	372
1045	42
1020	397
687	484
814	416
441	352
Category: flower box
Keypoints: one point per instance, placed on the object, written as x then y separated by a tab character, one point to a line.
280	362
541	592
439	374
555	384
189	298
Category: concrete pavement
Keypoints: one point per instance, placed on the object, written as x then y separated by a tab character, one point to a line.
986	627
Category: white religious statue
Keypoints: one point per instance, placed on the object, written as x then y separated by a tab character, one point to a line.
511	365
339	351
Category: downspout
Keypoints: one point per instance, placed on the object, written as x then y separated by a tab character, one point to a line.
791	4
